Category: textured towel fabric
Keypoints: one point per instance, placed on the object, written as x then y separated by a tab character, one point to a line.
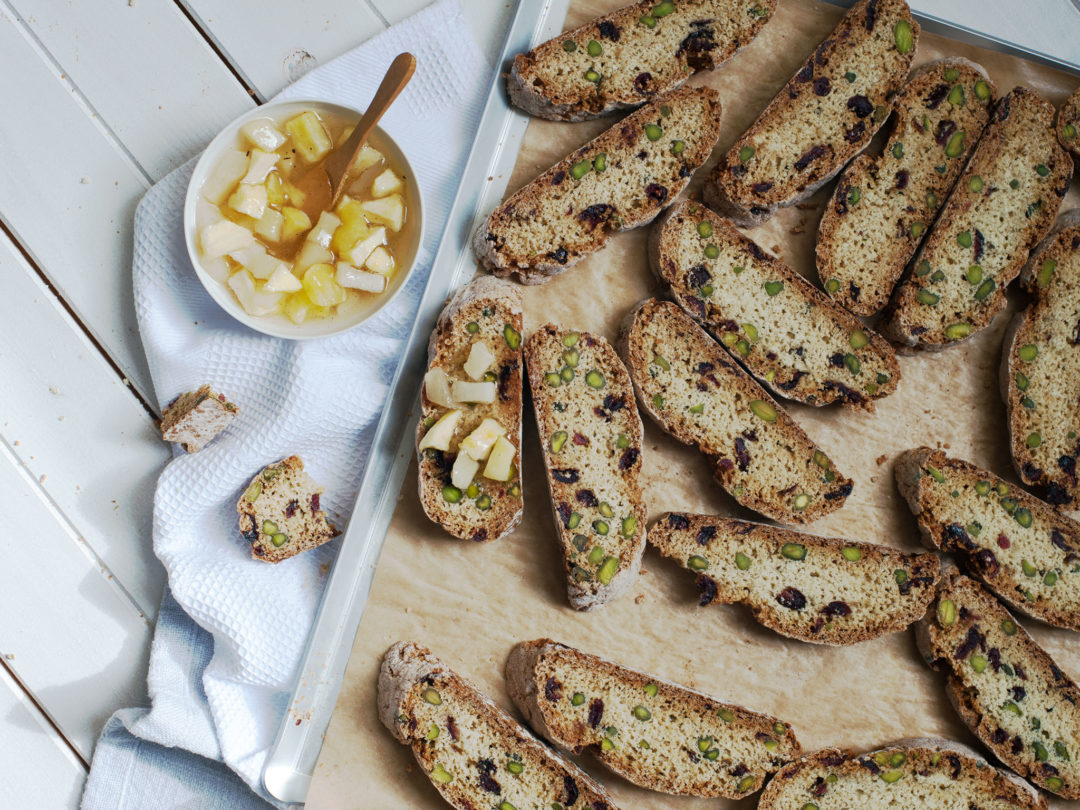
318	399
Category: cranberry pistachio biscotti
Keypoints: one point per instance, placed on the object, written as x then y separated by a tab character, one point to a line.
473	752
280	514
469	434
619	180
655	733
690	386
824	116
624	58
781	327
883	206
591	436
1067	123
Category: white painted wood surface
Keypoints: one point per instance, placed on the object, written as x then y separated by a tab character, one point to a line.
101	99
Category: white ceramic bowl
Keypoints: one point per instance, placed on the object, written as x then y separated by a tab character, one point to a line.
355	311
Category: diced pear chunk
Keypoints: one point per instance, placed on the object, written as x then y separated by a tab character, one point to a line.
323	232
364	248
309	136
296	223
380	261
480	360
263	133
311	253
390	211
270	225
464	470
282	280
262	163
437	387
386	183
255	301
479	392
440	434
367	158
501	460
249	199
206	213
218	268
257	261
224	237
222	180
357	279
478	443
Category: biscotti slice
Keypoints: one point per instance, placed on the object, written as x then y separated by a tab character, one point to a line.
279	512
473	752
780	326
1023	549
1040	370
194	419
469	434
882	206
931	774
1004	686
688	384
824	116
1068	123
624	58
819	589
619	180
592	436
655	733
1004	202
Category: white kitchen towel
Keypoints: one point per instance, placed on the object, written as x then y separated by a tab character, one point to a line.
318	399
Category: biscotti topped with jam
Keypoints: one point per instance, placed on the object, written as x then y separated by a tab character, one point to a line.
824	116
625	58
883	206
469	436
655	733
776	323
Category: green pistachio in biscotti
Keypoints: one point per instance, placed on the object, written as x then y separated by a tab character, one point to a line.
816	589
797	342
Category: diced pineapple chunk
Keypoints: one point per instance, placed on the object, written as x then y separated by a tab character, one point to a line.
254	300
501	460
309	136
357	279
386	183
323	232
480	360
298	308
275	190
380	261
478	443
364	248
367	158
321	286
311	253
437	387
206	213
249	199
463	391
262	163
441	433
390	211
221	181
270	225
282	280
353	227
464	470
224	237
296	223
263	133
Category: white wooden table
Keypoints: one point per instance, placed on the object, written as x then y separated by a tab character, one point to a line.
101	99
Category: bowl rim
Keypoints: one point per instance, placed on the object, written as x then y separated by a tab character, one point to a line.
281	327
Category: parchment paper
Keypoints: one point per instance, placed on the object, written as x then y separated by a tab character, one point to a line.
471	603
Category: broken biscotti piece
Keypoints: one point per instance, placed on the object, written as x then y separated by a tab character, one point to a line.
819	589
1004	686
475	755
824	116
279	512
690	386
982	238
194	419
1025	551
619	180
657	734
882	206
1067	123
1040	370
591	436
932	774
469	436
776	323
624	58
